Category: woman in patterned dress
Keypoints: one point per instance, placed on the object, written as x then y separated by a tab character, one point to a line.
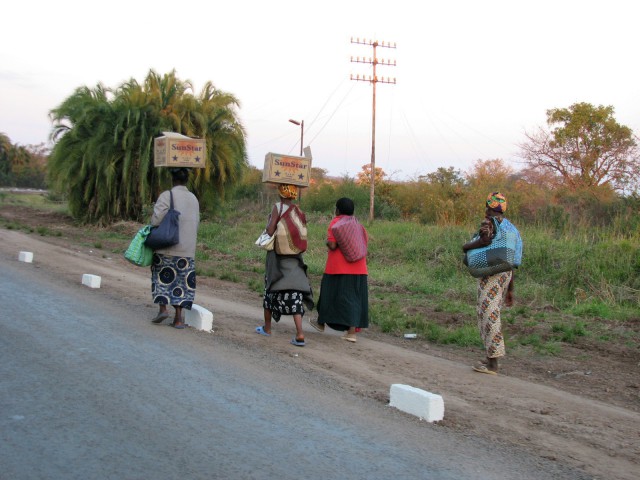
173	271
494	291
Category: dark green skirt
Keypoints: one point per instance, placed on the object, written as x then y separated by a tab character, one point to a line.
344	301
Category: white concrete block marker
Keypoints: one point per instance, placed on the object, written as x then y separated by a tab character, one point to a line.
26	257
92	281
199	318
415	401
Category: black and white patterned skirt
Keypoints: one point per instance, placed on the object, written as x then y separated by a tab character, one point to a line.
285	302
173	280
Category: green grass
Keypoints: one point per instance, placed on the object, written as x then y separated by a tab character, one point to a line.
464	336
569	333
417	280
35	200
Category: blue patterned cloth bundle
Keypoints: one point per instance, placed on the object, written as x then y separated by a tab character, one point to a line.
503	254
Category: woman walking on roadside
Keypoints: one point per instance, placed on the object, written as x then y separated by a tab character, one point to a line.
494	291
343	303
173	271
286	286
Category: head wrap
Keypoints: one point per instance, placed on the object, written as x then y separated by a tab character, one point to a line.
497	201
288	191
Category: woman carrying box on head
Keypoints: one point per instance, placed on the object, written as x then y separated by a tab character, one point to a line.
286	286
173	271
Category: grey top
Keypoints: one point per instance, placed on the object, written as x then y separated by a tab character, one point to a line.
187	204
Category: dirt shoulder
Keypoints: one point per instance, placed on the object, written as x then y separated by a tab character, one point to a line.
580	408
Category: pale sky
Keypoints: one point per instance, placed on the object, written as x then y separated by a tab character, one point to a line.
471	76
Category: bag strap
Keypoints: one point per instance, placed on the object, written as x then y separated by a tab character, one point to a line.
301	215
498	229
279	215
287	214
171	202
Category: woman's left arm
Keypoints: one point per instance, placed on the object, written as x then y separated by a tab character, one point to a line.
331	240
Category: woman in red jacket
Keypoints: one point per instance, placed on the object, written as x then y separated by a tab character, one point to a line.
344	293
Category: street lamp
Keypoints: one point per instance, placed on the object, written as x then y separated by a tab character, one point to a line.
301	124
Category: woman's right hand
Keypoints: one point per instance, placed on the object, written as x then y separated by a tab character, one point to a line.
486	228
484	237
508	299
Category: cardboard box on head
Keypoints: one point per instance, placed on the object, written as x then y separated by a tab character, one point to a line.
177	150
289	169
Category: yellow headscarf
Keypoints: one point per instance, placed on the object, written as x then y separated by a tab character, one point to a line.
288	191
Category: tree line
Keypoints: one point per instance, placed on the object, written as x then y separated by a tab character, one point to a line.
22	166
581	171
583	166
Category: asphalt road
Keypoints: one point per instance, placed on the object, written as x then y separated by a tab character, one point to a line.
89	389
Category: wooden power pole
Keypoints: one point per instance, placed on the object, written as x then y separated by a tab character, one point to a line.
374	62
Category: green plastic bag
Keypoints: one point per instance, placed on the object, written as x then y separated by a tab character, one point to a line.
138	253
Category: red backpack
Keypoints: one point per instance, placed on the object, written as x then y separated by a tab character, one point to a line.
351	238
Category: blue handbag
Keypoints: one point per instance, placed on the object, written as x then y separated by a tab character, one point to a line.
503	254
168	232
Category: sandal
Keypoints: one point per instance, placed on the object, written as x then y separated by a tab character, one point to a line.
483	369
318	326
297	343
261	331
349	337
161	317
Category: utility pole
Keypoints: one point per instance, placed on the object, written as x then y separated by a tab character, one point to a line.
374	61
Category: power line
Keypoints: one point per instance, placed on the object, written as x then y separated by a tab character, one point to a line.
332	114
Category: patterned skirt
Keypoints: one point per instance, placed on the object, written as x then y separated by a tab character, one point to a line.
173	280
491	293
284	302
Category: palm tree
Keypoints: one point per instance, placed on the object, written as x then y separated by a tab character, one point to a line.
104	151
81	160
216	121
